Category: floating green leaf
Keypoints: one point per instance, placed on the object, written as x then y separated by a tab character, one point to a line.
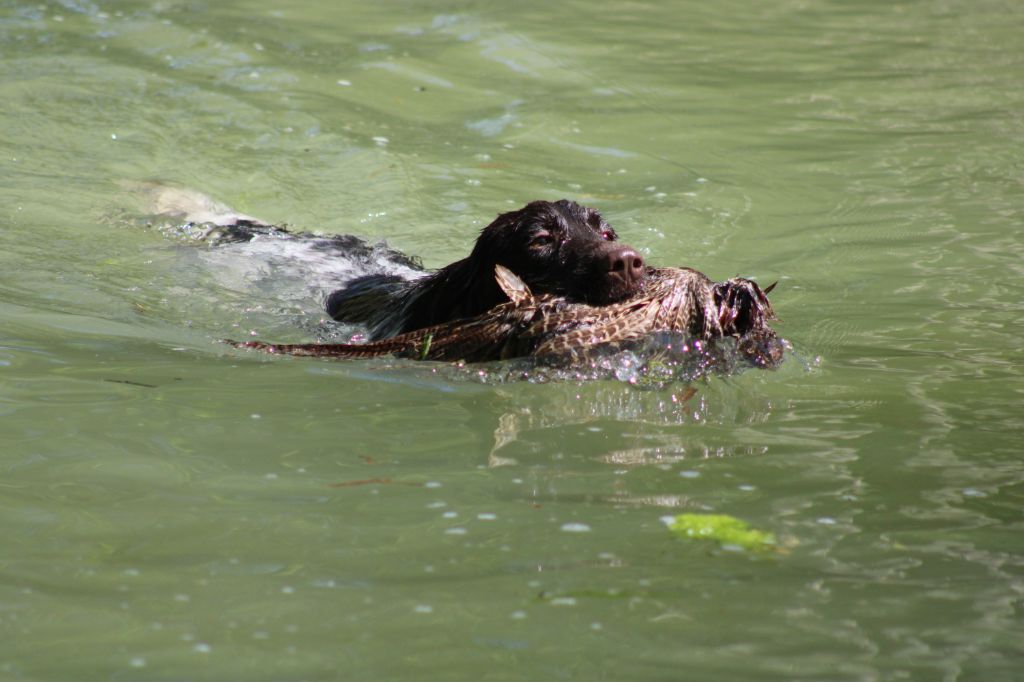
726	530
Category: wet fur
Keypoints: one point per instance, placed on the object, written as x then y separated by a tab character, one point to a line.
558	248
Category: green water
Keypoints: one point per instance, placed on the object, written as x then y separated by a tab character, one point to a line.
175	510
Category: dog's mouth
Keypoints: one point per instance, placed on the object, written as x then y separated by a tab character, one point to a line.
616	288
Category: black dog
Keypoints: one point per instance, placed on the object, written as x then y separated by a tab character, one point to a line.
554	247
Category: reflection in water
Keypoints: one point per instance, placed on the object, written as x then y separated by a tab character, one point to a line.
653	415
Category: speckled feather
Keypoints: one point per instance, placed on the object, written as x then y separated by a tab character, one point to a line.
672	300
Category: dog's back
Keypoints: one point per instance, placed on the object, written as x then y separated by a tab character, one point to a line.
558	248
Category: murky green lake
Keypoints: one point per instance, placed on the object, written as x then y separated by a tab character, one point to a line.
172	509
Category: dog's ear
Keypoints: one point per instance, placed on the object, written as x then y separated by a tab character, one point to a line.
461	289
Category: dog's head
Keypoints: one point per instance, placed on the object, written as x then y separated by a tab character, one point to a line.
561	248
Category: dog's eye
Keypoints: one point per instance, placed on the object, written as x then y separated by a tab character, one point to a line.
608	236
542	238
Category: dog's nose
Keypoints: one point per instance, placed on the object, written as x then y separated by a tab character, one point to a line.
627	264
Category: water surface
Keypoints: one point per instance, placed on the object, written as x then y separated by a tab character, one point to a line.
176	510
